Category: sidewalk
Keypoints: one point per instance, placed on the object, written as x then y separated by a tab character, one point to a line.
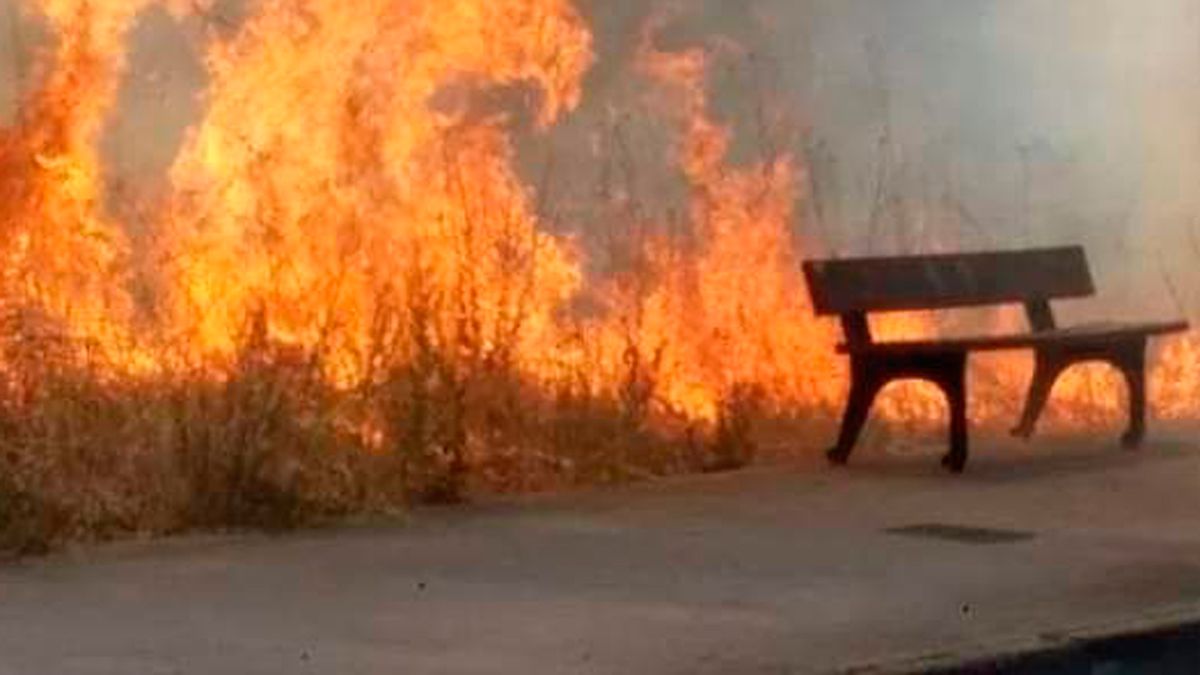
778	569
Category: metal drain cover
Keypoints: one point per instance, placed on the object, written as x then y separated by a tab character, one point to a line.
961	534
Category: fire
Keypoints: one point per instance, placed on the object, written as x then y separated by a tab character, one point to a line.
735	314
351	192
704	320
370	177
60	255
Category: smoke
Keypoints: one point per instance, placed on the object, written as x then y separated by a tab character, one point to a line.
160	97
927	124
14	53
937	124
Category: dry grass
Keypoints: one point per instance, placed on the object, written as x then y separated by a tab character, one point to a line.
269	443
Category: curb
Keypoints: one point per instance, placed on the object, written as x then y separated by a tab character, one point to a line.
1093	644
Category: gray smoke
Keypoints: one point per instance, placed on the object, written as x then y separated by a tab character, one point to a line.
961	124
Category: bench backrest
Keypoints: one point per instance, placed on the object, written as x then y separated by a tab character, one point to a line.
861	285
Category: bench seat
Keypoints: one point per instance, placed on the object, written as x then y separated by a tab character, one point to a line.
1102	333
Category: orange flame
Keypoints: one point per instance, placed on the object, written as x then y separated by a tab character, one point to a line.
351	187
348	164
58	252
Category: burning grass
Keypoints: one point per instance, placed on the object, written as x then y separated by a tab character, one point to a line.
270	442
355	302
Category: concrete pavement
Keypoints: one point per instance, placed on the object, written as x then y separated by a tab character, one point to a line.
777	569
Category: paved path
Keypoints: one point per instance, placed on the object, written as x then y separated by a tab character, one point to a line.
778	569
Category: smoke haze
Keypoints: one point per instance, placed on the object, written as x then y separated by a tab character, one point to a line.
924	124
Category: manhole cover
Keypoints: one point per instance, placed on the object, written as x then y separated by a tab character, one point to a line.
961	534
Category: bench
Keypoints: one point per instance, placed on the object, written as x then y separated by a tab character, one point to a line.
853	288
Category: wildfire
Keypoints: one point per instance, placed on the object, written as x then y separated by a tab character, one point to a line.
351	190
361	185
60	255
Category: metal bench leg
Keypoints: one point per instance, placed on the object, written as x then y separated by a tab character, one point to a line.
865	384
1130	359
1047	368
953	382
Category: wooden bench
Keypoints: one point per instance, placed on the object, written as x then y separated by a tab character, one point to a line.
853	288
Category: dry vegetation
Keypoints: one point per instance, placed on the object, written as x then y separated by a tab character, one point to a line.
352	303
271	444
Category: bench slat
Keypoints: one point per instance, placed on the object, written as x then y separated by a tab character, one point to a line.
1096	333
947	281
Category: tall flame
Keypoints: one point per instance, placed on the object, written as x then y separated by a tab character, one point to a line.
733	312
59	253
704	319
349	160
351	191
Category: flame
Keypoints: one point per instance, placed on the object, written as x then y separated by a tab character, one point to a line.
351	191
350	188
59	254
735	312
704	319
1175	388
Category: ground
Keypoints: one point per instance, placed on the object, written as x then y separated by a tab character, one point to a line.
781	568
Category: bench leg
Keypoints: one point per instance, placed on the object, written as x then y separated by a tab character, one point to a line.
1127	356
953	382
865	385
870	375
1048	366
1130	359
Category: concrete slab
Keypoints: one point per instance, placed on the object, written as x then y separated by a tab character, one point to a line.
778	569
